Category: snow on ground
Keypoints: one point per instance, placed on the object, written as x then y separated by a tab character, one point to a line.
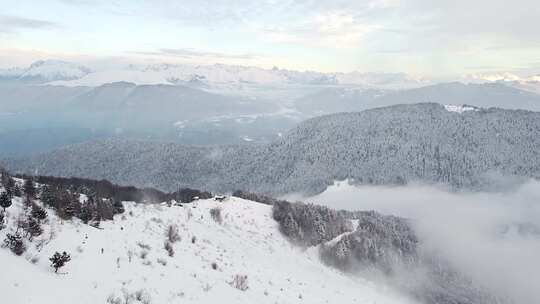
127	256
459	108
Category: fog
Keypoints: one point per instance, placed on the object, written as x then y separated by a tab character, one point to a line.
492	237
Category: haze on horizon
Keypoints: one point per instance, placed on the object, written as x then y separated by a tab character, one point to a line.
442	39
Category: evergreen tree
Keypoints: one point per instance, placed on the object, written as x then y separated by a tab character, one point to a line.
118	207
59	260
65	209
15	243
16	190
105	209
47	196
76	207
32	227
86	213
29	188
5	200
10	186
38	212
3	177
27	202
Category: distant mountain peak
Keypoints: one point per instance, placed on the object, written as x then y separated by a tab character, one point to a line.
43	71
59	72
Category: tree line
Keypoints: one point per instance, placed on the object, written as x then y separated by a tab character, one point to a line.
106	189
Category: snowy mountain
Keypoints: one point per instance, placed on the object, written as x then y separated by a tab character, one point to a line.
429	143
531	86
527	83
81	235
212	105
68	115
44	71
163	253
486	95
221	76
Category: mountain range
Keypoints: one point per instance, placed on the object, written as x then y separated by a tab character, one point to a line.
232	78
223	105
57	72
44	71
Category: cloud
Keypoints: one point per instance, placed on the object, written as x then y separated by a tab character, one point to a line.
423	25
193	53
464	20
197	53
14	23
492	237
340	23
331	30
80	2
432	38
245	12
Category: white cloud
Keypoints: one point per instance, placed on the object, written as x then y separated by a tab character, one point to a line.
493	237
329	30
10	23
429	38
191	53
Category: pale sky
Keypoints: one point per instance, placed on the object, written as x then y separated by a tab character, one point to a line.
435	38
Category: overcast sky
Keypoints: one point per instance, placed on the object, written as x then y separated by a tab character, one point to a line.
420	37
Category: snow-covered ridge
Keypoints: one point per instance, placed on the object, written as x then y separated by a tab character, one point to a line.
125	260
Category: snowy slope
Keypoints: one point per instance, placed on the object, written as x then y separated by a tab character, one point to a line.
247	243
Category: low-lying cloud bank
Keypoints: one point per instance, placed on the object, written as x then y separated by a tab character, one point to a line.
492	237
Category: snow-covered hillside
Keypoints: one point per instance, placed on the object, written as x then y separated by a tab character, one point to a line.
386	146
126	259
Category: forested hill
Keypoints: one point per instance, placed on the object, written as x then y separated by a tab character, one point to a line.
464	147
